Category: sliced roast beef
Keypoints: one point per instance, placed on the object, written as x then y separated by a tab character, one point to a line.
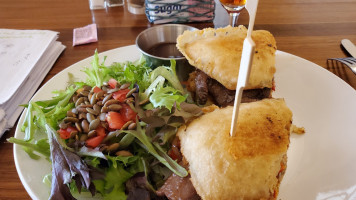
201	87
178	188
222	96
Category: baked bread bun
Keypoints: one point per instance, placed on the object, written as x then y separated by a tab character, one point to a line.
247	166
217	52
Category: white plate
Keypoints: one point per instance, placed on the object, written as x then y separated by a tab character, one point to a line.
321	163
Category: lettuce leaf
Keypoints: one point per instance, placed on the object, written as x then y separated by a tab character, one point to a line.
167	97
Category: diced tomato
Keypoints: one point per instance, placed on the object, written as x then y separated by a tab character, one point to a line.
100	131
94	141
65	133
96	89
115	120
112	82
127	113
120	95
172	154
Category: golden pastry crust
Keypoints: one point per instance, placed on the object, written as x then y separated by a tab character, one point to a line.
241	167
217	52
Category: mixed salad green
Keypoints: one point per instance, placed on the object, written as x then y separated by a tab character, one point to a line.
126	146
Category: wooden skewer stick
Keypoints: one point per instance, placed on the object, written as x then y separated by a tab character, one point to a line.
248	50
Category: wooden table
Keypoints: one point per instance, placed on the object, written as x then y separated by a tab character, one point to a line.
309	29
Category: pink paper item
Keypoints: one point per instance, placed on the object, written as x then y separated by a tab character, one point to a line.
85	35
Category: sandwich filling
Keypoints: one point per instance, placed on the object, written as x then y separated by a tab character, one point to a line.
204	87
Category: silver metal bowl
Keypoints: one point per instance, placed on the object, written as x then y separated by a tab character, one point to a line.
158	46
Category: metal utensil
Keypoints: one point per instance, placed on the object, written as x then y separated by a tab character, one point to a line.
245	64
349	61
349	46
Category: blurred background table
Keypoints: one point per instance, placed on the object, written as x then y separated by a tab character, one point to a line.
311	29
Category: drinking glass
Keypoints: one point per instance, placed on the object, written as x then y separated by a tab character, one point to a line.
233	8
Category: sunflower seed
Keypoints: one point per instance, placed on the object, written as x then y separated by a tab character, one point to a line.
79	128
87	88
63	125
85	126
97	108
104	109
79	101
106	98
123	153
73	134
84	93
82	115
126	125
132	126
99	95
125	86
114	107
113	90
83	137
90	117
143	102
70	119
102	116
92	111
113	147
130	92
70	114
94	124
92	133
93	99
75	111
111	101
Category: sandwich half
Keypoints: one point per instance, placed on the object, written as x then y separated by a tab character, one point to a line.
216	54
248	166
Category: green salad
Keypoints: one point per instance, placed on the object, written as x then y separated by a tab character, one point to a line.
110	135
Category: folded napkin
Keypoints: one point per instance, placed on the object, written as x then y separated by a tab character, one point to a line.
26	57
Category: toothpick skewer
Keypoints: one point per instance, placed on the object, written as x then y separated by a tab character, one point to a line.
248	50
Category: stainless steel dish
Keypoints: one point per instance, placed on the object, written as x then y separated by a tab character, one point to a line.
158	46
